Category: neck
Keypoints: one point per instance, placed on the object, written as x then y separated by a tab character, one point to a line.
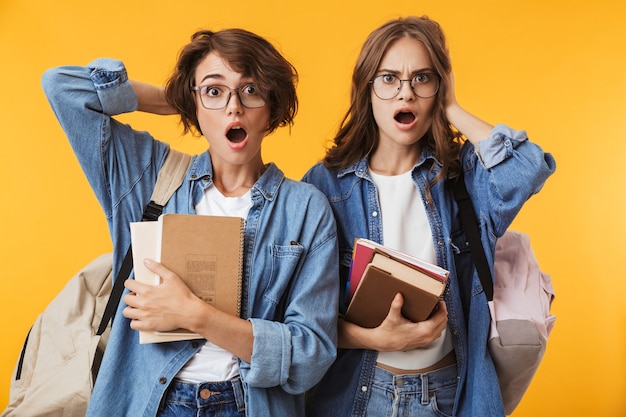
394	160
236	180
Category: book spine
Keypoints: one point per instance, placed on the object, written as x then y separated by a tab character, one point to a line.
240	267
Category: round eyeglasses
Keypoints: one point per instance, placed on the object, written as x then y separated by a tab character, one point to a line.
216	96
388	86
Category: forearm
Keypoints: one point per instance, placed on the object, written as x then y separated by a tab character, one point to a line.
352	336
151	99
84	99
224	330
473	128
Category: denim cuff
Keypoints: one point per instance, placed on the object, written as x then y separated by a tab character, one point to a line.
115	92
499	146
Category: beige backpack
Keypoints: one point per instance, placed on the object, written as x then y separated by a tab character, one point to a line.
59	362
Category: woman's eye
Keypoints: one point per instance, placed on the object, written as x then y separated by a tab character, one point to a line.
211	91
388	78
249	90
422	78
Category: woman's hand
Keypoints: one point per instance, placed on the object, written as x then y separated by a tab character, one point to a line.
172	305
451	93
395	333
164	307
473	128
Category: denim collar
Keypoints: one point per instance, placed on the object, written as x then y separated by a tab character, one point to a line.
267	185
360	169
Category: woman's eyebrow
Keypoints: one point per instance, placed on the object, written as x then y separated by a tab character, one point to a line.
387	71
211	76
413	73
244	79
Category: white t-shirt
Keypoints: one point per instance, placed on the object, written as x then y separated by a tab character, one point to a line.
212	363
406	228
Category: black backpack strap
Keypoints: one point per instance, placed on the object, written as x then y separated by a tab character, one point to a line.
472	232
170	177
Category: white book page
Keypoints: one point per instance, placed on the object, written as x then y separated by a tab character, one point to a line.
145	238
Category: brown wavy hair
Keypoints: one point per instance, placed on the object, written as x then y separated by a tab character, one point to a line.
358	133
246	53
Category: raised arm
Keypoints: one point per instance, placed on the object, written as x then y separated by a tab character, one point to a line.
85	100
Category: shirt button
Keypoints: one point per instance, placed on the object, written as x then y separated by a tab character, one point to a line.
375	213
162	380
364	388
440	243
205	393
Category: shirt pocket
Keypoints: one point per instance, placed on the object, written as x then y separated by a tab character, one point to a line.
285	260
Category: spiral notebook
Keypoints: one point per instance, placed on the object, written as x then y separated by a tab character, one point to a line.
204	251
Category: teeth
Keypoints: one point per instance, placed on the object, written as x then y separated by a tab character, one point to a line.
236	127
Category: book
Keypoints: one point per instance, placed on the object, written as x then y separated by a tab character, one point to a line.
206	252
364	251
385	273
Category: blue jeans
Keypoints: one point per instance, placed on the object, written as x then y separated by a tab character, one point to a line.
207	399
429	394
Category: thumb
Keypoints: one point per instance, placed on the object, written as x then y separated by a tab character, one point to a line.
397	303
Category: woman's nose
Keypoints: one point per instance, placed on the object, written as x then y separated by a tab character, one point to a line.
233	105
406	90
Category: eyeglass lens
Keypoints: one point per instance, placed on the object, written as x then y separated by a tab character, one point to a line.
215	97
388	86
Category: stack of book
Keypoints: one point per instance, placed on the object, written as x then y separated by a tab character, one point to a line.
378	273
206	252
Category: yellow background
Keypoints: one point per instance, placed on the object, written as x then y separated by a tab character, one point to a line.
555	68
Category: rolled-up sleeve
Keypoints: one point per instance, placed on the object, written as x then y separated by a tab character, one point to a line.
502	172
84	100
114	90
295	351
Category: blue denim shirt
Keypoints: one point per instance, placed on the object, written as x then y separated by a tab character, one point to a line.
291	263
509	170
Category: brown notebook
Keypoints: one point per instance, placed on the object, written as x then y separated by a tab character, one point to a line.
382	279
204	251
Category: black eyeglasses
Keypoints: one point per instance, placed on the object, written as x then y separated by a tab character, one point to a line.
217	96
388	86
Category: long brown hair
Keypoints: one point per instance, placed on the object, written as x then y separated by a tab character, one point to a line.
246	53
358	132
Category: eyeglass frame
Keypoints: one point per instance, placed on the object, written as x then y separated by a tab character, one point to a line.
230	93
437	77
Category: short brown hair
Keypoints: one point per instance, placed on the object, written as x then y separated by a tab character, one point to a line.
246	53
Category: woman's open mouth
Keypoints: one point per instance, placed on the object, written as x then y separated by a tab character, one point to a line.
404	117
236	134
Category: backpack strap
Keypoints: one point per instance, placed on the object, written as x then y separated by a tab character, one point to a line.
170	177
469	222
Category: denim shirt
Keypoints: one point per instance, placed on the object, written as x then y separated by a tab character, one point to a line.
500	176
290	256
